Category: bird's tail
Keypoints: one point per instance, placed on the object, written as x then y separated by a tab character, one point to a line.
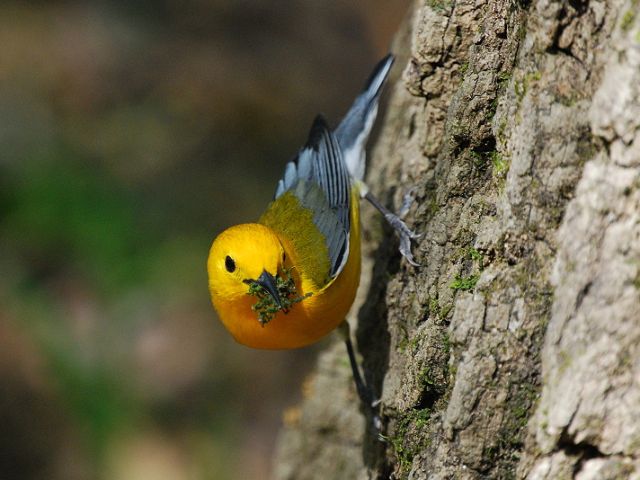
354	130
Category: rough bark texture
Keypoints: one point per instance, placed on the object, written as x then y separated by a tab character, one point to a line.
514	351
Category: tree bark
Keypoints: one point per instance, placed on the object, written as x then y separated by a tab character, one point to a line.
514	351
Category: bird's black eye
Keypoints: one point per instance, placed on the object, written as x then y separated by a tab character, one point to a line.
229	264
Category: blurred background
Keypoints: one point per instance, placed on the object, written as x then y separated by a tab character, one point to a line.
131	133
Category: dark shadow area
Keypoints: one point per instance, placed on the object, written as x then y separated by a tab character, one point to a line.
373	335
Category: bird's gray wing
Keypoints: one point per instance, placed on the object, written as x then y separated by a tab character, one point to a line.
319	178
354	129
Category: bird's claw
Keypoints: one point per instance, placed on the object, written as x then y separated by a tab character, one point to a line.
407	200
376	420
405	234
405	251
377	424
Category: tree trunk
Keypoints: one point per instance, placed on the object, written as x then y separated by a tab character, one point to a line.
514	351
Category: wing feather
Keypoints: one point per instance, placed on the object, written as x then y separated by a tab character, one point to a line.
319	167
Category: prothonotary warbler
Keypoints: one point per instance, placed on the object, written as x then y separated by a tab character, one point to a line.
289	279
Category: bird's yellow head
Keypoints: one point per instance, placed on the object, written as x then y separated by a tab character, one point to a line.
248	280
242	256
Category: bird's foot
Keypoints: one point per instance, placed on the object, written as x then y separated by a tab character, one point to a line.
407	200
404	232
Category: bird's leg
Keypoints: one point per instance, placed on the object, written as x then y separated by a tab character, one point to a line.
364	391
404	232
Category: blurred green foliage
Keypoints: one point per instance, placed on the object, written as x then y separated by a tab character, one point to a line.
63	211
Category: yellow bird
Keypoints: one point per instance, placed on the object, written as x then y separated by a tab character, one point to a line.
291	278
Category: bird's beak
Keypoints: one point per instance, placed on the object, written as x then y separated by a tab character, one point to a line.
268	282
